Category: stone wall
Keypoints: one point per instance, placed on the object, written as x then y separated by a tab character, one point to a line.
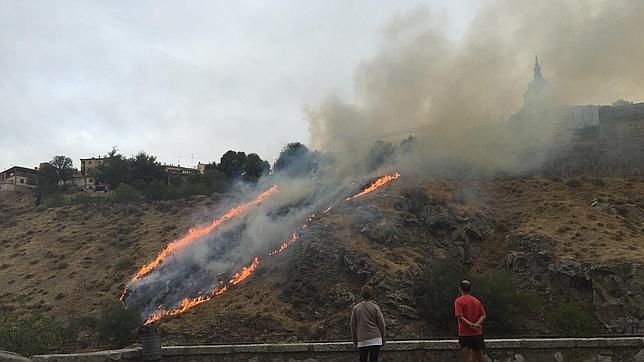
625	349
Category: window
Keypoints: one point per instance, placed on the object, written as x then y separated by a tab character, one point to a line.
22	180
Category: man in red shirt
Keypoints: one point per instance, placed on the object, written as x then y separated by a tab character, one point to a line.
470	315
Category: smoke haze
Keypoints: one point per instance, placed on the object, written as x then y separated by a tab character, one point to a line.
423	83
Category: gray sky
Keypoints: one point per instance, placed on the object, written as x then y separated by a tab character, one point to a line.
174	77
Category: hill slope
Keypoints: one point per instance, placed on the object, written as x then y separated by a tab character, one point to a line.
581	238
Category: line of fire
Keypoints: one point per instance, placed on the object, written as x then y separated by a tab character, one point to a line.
190	289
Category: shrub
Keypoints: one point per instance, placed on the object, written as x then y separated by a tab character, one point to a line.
126	193
31	336
506	305
572	320
117	325
439	288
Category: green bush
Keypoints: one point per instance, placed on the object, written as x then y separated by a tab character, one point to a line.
31	336
573	320
506	305
126	193
439	288
117	325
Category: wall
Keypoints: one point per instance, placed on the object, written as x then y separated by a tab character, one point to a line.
625	349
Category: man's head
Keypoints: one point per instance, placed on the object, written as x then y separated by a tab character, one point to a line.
366	293
465	286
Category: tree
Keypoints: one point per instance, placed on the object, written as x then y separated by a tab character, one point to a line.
296	160
115	170
47	178
380	153
232	164
117	325
255	167
145	169
63	166
573	320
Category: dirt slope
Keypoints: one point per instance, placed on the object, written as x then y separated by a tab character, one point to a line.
70	261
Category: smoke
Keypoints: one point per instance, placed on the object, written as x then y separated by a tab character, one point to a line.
455	95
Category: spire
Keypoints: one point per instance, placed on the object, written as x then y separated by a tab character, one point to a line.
537	68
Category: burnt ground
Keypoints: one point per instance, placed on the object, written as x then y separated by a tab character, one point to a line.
70	261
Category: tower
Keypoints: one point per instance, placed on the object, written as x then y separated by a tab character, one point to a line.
537	69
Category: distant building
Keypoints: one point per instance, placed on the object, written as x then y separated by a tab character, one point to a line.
622	122
18	178
202	167
89	165
86	178
172	170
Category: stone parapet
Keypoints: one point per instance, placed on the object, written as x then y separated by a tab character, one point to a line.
622	349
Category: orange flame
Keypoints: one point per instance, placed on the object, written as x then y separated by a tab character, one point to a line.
245	272
185	305
188	303
375	185
286	244
195	233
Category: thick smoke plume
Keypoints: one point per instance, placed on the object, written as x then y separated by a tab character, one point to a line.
452	95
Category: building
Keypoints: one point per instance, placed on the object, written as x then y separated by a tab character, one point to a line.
202	167
18	178
89	165
86	178
172	170
622	122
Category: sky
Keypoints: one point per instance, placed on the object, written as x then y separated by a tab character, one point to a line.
185	81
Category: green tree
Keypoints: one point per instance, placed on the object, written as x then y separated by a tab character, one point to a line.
115	170
117	325
296	160
438	289
255	167
506	304
380	153
145	169
63	166
232	164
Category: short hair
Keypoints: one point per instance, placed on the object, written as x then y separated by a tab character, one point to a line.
465	285
366	293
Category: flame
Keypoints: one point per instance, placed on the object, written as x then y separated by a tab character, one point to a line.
185	305
375	185
195	233
188	303
245	272
286	244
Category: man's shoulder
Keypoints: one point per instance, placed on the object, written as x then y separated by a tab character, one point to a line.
467	298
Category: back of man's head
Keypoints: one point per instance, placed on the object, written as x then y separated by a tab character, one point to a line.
465	286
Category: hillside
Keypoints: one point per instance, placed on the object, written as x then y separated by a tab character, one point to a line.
583	236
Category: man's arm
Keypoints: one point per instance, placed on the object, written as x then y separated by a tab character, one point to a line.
466	322
354	327
479	322
381	325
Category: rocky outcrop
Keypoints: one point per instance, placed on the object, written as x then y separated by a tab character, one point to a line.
615	290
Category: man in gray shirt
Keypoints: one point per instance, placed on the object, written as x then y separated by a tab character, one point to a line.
368	328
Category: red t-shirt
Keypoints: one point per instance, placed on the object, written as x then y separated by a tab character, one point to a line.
470	308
